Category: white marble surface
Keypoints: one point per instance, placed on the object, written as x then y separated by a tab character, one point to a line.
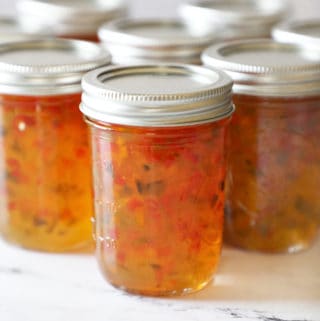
45	287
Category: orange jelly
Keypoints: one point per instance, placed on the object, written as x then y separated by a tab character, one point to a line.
44	204
45	175
160	211
159	182
274	202
273	180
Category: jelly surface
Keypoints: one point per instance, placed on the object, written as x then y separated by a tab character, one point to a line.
45	173
159	199
273	202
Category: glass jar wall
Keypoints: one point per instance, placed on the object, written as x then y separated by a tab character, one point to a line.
159	205
45	177
159	162
273	179
44	204
273	202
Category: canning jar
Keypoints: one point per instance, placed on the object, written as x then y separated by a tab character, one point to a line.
233	19
158	136
300	32
45	175
273	202
133	41
10	31
68	19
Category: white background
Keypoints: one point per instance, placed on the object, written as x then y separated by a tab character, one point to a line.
166	8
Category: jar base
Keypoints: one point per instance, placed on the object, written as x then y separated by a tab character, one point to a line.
84	247
292	249
169	293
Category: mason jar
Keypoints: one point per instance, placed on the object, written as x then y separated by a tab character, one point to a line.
134	41
300	32
273	202
233	19
45	175
158	137
68	19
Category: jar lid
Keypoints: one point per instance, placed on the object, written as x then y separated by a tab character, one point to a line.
156	95
64	17
10	31
47	66
152	40
301	32
234	18
265	67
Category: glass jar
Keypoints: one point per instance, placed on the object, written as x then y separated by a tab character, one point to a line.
10	31
45	176
68	19
159	162
233	19
133	41
300	32
273	202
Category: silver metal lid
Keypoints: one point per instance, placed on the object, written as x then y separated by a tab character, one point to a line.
10	31
147	41
300	32
64	17
156	95
48	66
233	18
265	67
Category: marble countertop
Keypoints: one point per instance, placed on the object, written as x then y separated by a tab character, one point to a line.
249	286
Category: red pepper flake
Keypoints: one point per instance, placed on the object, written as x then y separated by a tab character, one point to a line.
163	251
114	148
118	180
67	162
17	176
13	163
81	152
66	214
133	204
192	157
12	206
121	257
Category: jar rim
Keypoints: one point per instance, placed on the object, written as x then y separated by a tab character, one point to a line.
47	66
231	11
67	17
159	95
266	67
233	19
298	31
152	38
